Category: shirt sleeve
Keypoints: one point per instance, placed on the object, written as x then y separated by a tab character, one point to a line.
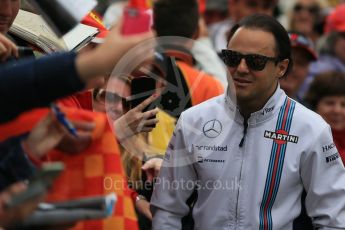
36	83
175	183
323	177
14	163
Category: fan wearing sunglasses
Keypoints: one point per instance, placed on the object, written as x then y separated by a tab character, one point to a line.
266	145
141	151
116	104
305	16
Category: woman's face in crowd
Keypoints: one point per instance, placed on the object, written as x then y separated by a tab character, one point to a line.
239	9
304	15
332	109
111	101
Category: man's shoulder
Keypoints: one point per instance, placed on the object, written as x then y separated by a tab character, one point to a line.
306	117
210	106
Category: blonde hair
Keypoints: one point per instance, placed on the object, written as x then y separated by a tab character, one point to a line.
134	150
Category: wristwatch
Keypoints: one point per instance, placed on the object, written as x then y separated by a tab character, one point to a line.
140	197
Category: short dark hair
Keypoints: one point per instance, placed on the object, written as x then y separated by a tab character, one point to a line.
271	25
176	17
325	84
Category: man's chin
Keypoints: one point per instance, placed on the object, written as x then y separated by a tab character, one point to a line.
243	96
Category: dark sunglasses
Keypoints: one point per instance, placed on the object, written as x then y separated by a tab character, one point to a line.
103	96
255	62
311	9
256	3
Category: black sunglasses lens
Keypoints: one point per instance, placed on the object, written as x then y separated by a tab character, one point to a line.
313	9
256	62
231	58
112	98
297	8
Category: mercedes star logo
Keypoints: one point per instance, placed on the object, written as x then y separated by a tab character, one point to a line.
212	128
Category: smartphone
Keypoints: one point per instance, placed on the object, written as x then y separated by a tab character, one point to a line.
136	21
38	185
141	89
48	172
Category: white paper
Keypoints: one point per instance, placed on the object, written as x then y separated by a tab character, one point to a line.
79	34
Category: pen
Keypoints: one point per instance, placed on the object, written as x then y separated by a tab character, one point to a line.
61	117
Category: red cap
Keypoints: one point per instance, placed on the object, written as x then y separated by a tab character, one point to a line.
300	41
94	20
336	20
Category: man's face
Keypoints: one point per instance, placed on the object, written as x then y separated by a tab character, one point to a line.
251	86
291	83
8	12
239	9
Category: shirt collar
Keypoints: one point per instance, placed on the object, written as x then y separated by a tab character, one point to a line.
271	107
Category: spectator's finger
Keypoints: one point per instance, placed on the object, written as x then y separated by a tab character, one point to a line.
146	102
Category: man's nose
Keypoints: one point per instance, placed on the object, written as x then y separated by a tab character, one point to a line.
242	67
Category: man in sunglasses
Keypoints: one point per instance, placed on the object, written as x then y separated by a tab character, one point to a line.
250	152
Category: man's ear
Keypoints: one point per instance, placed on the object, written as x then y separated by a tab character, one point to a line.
282	67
